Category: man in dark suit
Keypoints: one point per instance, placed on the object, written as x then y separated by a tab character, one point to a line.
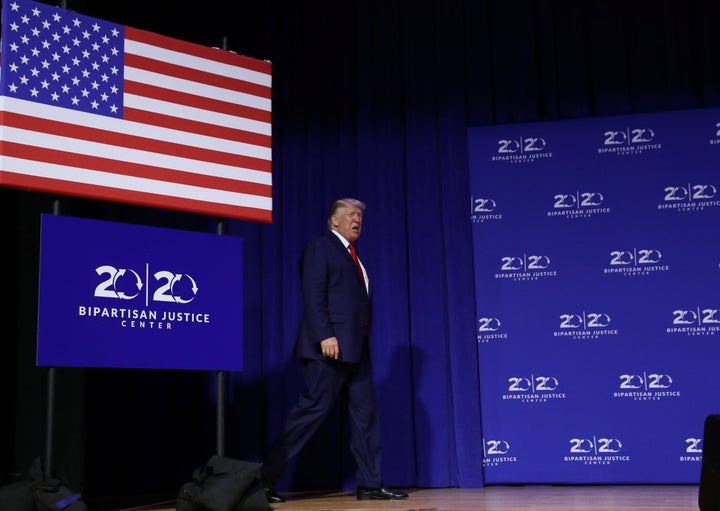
332	342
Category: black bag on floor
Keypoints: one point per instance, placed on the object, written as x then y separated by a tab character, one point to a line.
16	495
52	495
35	493
224	484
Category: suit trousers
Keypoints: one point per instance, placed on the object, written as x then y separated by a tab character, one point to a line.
325	380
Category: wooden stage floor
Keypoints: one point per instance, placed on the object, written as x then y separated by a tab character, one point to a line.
498	498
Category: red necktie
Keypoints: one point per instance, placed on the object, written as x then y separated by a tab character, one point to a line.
357	261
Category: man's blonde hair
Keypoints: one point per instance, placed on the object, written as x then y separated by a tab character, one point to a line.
343	203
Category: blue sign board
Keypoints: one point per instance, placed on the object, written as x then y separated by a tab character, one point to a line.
120	295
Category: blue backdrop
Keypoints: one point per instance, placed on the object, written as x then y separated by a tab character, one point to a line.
597	266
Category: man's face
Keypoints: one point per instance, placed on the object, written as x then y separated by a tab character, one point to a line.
348	222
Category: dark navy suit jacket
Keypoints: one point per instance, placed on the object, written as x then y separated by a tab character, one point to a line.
335	301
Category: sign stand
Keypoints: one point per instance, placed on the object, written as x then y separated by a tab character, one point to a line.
50	419
50	422
220	377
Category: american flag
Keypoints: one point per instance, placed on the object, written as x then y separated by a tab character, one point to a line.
95	109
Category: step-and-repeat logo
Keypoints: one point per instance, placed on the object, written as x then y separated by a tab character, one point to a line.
646	386
695	321
596	450
525	267
693	450
629	141
128	287
715	139
690	197
578	204
484	209
636	261
533	389
496	453
490	329
521	150
585	326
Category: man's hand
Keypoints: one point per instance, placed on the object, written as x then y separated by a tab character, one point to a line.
330	347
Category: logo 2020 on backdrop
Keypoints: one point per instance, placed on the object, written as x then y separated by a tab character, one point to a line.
120	295
597	266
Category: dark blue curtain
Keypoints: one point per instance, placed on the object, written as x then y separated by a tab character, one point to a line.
371	99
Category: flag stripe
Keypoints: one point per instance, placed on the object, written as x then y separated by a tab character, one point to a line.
196	75
200	128
131	159
194	56
122	141
195	89
52	185
232	110
189	112
40	154
132	183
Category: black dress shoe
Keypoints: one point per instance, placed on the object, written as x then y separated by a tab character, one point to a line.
273	496
380	494
271	493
